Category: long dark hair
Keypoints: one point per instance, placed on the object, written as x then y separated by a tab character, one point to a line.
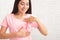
15	8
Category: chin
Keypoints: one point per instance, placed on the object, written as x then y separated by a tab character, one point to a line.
23	11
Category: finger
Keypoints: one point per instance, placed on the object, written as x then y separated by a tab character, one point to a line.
27	33
21	29
25	19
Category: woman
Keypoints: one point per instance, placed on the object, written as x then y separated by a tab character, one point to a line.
20	22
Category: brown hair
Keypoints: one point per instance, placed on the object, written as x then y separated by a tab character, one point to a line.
15	8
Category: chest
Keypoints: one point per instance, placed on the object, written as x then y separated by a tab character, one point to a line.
15	25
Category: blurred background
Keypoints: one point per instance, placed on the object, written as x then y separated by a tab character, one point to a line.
48	11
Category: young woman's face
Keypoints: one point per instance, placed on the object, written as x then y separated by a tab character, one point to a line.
23	6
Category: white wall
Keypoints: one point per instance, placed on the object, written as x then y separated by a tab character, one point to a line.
47	10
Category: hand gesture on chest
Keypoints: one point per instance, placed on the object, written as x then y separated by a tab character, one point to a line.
30	19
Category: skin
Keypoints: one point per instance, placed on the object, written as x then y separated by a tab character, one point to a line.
41	27
23	7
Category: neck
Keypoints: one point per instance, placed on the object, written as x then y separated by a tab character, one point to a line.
20	14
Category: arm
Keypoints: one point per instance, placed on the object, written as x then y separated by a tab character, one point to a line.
4	35
4	26
41	27
20	33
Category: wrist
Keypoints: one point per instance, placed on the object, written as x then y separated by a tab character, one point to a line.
18	34
15	34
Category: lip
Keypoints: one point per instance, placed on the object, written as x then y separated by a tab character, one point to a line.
23	9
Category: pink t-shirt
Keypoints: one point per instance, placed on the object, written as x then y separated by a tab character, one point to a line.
15	24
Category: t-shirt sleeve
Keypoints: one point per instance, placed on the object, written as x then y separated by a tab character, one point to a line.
4	23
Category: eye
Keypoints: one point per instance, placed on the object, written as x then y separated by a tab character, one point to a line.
27	4
22	3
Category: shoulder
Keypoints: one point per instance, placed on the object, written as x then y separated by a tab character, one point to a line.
32	16
8	16
28	15
35	17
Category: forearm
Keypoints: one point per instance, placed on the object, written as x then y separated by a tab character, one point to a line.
12	35
7	35
42	28
20	33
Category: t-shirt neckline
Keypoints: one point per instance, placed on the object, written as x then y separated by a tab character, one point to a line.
19	19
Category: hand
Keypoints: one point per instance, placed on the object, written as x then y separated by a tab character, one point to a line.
23	33
30	19
1	35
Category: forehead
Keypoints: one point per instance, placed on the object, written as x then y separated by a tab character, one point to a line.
24	1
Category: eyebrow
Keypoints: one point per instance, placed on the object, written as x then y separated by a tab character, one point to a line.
24	2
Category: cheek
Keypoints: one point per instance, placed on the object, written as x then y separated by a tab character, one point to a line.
20	6
27	7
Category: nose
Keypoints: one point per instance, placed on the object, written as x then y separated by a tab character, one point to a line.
24	6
